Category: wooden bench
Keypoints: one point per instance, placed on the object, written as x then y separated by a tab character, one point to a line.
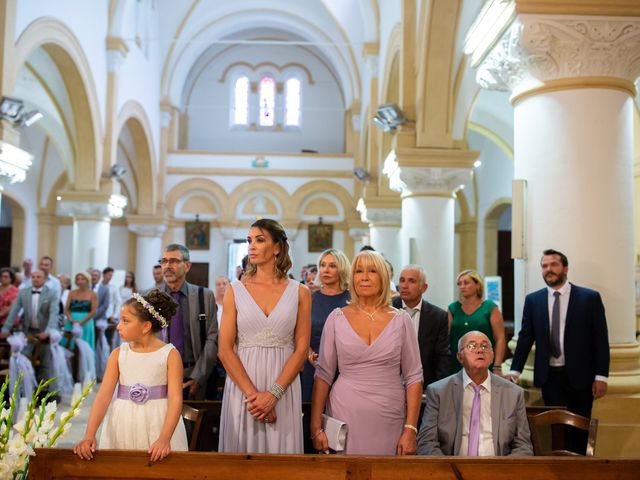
61	464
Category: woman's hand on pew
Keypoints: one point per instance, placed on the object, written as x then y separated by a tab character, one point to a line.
85	448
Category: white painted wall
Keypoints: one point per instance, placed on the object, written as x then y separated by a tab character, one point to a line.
209	102
494	178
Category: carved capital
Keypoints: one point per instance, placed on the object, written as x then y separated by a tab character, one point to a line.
14	164
91	205
435	181
148	229
537	49
358	234
381	216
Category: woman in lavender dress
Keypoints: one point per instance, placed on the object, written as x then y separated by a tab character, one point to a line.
374	347
263	343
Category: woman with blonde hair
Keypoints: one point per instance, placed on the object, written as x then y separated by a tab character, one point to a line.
470	313
263	343
81	307
378	391
334	271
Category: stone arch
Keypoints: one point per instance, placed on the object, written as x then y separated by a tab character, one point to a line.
491	218
65	50
324	186
133	116
245	189
202	184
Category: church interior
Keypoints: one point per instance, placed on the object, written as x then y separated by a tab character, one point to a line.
452	134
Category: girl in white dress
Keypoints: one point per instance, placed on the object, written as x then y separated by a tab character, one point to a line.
145	414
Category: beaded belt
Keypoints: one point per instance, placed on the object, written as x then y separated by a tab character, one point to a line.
139	393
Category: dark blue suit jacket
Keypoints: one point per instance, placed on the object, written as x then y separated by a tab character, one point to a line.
586	341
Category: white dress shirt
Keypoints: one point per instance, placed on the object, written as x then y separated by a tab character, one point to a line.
113	310
485	445
415	315
35	299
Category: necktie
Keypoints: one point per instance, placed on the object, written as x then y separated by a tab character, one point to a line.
474	423
555	326
410	311
176	327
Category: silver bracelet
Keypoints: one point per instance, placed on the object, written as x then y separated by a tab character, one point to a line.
276	390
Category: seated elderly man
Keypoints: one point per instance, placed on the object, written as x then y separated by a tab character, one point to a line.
474	412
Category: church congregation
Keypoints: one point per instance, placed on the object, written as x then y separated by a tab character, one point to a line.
396	228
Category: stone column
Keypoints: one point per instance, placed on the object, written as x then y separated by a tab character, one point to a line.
148	248
384	232
92	213
571	79
428	212
360	237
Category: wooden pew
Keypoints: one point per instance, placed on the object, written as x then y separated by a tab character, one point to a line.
52	464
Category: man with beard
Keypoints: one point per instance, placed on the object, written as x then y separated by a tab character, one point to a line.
568	325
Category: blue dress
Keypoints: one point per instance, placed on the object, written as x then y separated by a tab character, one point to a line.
79	310
321	306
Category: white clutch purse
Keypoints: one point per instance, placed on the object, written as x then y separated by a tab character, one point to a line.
336	432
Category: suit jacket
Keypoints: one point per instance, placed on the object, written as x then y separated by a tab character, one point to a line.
433	339
102	292
205	358
586	340
46	316
441	432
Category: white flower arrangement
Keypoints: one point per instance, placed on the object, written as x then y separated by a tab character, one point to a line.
35	429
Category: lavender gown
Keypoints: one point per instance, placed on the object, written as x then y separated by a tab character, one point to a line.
369	394
264	344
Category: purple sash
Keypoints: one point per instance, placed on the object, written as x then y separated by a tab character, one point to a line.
140	393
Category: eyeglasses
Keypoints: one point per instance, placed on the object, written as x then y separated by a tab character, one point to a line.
170	261
474	347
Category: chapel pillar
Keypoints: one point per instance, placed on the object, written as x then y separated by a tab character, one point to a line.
92	213
571	78
428	180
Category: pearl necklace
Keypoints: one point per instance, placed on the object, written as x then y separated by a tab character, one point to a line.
370	315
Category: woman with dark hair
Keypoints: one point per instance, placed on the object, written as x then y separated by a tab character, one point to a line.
8	292
263	343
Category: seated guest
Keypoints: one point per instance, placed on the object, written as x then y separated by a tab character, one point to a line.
377	393
44	302
8	292
474	412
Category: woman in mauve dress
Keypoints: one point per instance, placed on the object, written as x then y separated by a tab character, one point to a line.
374	347
263	344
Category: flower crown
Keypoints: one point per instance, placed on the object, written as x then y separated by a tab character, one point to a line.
154	313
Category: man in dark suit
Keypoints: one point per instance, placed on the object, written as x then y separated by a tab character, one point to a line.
429	321
39	306
568	325
474	412
185	330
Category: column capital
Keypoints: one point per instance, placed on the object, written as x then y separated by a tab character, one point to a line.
91	205
14	164
358	234
429	172
553	52
117	50
146	226
379	216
